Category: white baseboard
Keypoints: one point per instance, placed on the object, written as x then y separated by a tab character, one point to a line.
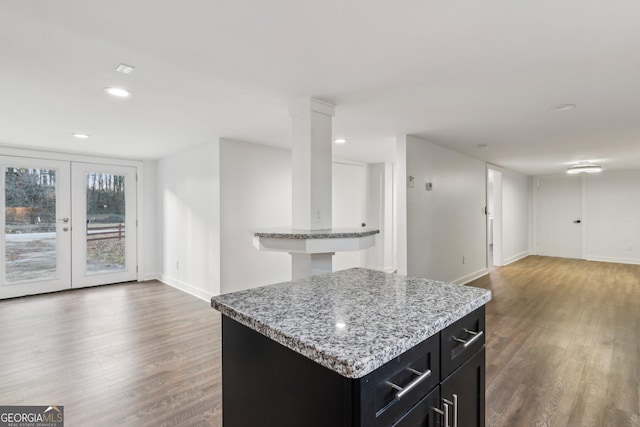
613	259
185	287
515	258
471	277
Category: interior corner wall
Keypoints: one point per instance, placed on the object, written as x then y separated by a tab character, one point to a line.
255	192
150	231
400	240
515	216
445	227
188	208
613	216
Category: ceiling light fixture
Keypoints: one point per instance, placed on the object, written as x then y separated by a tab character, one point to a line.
584	167
562	107
118	91
80	135
483	146
339	140
125	69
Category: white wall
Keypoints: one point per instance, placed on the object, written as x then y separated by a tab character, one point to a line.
150	254
612	217
515	216
189	220
348	201
380	216
255	193
445	224
400	237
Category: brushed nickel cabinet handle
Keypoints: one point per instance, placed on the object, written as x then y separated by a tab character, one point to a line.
455	410
467	343
446	414
402	391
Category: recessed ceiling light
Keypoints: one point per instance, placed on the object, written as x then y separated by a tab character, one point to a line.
562	107
339	140
80	135
125	69
584	167
118	91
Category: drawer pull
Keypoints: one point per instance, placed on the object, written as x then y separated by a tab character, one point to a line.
467	343
402	391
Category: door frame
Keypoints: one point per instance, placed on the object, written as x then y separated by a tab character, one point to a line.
497	214
79	276
143	274
62	279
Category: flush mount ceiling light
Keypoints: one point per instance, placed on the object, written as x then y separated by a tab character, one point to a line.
80	135
339	140
483	146
584	167
562	107
125	69
118	91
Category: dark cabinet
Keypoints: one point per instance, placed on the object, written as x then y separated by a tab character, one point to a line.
424	414
463	391
439	382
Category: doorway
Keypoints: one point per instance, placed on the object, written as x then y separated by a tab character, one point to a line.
66	225
559	216
494	217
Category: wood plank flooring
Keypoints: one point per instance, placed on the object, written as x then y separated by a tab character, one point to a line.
563	345
140	354
563	349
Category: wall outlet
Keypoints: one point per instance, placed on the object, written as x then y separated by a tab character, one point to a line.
629	247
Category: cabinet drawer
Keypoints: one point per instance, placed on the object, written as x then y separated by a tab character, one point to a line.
423	414
382	404
461	340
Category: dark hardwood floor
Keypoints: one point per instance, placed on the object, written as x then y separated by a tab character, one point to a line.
563	349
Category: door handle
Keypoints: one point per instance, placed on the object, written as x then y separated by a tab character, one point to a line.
63	219
577	221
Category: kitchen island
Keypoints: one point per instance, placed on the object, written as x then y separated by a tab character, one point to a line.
353	348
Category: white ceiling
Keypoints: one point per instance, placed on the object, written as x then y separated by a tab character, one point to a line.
457	73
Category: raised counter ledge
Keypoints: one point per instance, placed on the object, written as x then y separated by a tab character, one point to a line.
335	233
352	321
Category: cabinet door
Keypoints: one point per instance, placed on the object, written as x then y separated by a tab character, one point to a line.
465	388
423	414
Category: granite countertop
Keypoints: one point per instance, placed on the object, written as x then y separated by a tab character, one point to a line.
330	233
352	321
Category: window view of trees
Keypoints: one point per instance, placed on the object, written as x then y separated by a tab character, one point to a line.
105	198
105	222
30	223
30	198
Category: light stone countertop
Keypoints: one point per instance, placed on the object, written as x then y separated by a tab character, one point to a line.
352	321
331	233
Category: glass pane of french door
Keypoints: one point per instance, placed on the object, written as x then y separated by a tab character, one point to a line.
36	244
104	223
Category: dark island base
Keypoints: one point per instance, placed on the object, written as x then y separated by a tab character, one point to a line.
267	384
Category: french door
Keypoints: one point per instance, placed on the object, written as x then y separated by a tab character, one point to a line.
66	225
